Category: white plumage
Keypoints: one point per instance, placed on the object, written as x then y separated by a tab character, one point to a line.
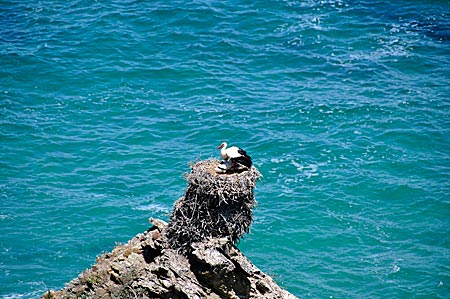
228	153
235	154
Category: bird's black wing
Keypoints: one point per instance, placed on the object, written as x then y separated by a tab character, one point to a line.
244	159
242	152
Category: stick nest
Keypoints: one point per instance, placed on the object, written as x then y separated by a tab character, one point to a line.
214	206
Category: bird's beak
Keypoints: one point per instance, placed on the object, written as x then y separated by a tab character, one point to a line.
220	146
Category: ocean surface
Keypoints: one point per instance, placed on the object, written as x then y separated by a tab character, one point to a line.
344	106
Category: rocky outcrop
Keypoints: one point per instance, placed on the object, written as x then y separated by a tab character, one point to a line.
145	268
202	262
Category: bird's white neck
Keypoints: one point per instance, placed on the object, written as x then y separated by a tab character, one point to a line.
223	151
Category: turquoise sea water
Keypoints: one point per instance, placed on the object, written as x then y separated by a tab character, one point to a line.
344	106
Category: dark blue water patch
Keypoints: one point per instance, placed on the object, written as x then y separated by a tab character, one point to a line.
430	19
437	29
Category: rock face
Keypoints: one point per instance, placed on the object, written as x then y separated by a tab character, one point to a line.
161	263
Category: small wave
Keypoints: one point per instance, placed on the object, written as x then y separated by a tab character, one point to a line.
5	217
39	289
35	294
153	207
308	170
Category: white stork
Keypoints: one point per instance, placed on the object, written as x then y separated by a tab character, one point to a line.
235	154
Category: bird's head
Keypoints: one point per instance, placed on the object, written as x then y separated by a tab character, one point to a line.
222	145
